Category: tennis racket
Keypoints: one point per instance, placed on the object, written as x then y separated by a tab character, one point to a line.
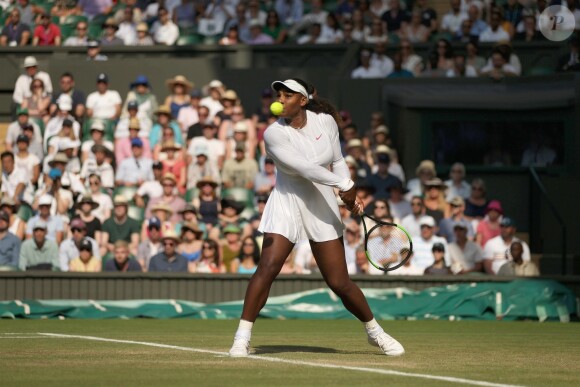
388	246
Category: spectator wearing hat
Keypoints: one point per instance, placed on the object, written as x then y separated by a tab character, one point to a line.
381	137
356	150
62	118
365	191
109	37
122	261
14	181
489	227
169	260
31	71
239	172
151	244
97	132
457	186
424	172
15	32
423	244
179	94
160	132
189	114
143	101
434	200
382	180
151	189
215	148
85	211
266	179
212	101
120	227
85	262
162	212
133	171
164	31
229	100
398	205
69	249
231	244
61	199
67	86
466	255
240	136
38	252
16	225
54	223
230	213
104	104
94	52
517	266
27	161
81	36
207	202
190	243
130	114
16	128
9	243
143	37
46	32
103	211
169	198
497	252
456	214
439	266
236	121
127	27
364	70
201	167
173	162
124	145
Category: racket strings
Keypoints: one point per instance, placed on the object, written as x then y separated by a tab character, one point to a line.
387	245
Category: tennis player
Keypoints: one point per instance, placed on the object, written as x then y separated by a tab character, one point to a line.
305	147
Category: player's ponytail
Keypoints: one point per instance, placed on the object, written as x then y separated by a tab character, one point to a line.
317	104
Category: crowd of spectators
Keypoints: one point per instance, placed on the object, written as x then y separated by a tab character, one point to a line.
177	180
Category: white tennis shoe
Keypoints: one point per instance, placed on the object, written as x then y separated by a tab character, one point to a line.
241	347
387	344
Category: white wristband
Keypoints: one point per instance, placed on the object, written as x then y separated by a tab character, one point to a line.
345	185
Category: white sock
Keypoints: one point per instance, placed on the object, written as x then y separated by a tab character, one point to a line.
373	328
245	329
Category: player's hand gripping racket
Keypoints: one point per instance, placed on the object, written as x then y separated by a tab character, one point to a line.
388	246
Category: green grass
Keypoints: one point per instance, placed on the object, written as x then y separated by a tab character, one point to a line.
525	353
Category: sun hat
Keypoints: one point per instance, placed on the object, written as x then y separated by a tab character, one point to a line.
179	80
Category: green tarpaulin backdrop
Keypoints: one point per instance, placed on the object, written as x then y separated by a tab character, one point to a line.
523	299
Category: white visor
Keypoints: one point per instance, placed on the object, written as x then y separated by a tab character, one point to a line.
290	84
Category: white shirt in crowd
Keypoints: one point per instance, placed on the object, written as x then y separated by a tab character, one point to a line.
14	130
215	148
411	224
499	251
167	33
22	86
214	106
105	205
104	105
27	164
452	22
464	190
466	258
384	64
422	253
490	35
366	73
151	189
105	171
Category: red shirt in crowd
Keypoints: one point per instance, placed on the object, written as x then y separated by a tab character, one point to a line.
46	36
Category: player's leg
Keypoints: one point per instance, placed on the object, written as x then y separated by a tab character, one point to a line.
275	250
331	261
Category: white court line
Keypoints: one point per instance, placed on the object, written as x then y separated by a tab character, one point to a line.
289	361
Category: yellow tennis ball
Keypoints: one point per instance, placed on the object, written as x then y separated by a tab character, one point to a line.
276	108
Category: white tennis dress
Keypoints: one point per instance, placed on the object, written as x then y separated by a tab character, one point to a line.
302	204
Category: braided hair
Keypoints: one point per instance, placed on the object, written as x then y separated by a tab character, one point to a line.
317	104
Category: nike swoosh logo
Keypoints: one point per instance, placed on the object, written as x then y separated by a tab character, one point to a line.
318	138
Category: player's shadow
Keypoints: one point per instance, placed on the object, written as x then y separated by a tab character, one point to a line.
269	349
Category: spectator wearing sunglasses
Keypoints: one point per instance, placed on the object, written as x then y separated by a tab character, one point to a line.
69	249
169	260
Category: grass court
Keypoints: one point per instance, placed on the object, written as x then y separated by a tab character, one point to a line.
290	353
